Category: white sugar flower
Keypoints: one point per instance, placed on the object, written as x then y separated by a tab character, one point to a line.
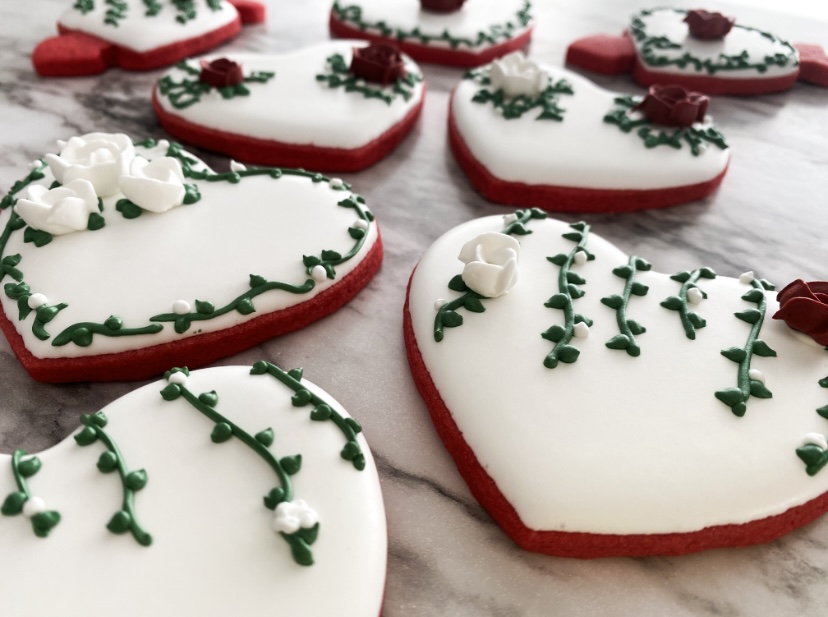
516	75
290	516
58	211
156	185
815	439
491	263
100	158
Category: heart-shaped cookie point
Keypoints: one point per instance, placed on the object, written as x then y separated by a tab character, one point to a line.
194	491
336	106
139	35
147	257
531	134
700	50
602	408
439	31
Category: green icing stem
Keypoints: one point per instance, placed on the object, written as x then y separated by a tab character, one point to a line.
125	519
187	92
814	457
340	77
515	107
42	522
35	174
628	328
689	320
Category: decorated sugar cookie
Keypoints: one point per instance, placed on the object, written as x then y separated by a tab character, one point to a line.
139	35
194	494
702	50
338	106
530	134
118	257
597	407
452	32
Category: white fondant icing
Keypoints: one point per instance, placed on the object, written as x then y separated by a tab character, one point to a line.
156	185
61	210
294	107
581	151
622	444
214	552
491	264
141	32
666	22
100	158
516	75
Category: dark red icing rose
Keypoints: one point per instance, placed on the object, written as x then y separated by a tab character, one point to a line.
442	6
379	63
221	73
804	307
673	106
708	26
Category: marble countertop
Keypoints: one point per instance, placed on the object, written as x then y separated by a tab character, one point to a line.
446	556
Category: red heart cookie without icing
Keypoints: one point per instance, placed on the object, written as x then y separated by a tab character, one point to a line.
529	134
598	408
225	488
314	108
139	35
118	259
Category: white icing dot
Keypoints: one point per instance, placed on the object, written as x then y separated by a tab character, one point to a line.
694	295
580	258
35	301
34	164
702	147
181	307
815	439
756	375
236	166
509	218
318	273
336	183
33	507
438	304
746	278
581	330
360	83
178	378
361	224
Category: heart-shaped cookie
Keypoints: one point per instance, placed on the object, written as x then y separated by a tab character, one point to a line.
118	258
596	407
139	35
310	108
702	50
529	134
440	31
195	496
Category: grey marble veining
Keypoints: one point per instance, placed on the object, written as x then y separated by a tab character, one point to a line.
446	555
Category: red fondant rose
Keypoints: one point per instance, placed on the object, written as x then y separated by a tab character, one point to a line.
442	6
708	26
673	106
379	63
804	307
221	73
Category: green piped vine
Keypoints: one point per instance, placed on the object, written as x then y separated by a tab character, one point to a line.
125	520
153	7
42	522
515	106
321	410
737	398
116	10
352	15
260	443
338	76
84	6
814	456
695	137
650	48
690	320
568	290
628	328
447	315
189	90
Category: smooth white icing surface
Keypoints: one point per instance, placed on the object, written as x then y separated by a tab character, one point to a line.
669	23
474	17
294	107
214	550
582	150
142	33
205	251
623	445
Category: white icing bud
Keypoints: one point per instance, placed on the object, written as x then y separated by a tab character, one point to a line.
35	301
516	75
508	219
181	307
756	375
694	295
236	166
290	516
156	185
179	378
491	263
438	304
58	211
33	507
34	164
580	330
815	439
361	224
318	273
336	183
580	258
100	158
746	278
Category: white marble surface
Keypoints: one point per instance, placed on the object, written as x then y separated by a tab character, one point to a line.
446	555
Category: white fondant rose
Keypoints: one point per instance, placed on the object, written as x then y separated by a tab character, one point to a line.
58	211
156	185
290	516
100	158
491	263
515	75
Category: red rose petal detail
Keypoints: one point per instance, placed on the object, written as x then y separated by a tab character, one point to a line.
221	73
804	307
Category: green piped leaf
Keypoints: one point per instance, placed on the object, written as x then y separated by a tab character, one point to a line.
574	236
614	301
639	289
245	306
558	301
681	277
696	320
320	413
107	462
300	550
707	273
823	383
736	354
554	333
171	392
823	411
619	341
204	307
730	396
754	295
136	480
86	437
457	284
635	327
209	398
29	467
759	390
472	304
559	259
750	316
257	281
274	498
574	277
673	303
296	373
301	398
761	348
622	271
291	464
350	451
568	353
44	522
265	437
120	522
452	319
814	458
221	432
13	504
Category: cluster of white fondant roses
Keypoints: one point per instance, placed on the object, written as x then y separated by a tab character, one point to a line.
99	165
290	516
516	75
